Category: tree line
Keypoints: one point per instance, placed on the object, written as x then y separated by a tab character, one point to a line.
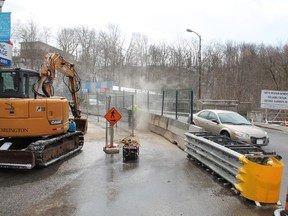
229	71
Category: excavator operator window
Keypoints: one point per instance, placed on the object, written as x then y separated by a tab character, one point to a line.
9	82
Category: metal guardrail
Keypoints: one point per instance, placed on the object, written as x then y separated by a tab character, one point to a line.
256	174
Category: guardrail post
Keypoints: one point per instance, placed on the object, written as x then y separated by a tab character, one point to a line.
191	107
176	104
148	102
163	96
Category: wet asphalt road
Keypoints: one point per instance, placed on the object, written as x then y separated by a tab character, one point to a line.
162	182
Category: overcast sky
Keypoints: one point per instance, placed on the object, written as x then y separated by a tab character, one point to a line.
251	21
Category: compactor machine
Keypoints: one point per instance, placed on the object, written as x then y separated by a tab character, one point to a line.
36	128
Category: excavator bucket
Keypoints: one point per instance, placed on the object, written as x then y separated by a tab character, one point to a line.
17	159
81	125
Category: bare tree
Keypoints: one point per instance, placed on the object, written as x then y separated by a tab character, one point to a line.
46	35
181	59
283	62
86	38
270	66
211	67
111	50
138	48
29	32
68	40
15	30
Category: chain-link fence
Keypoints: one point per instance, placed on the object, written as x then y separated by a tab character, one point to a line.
173	103
177	104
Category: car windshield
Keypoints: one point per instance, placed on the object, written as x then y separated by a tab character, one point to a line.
233	118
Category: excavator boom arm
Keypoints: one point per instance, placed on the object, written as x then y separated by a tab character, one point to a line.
55	62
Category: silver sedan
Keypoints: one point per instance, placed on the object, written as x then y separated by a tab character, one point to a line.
230	124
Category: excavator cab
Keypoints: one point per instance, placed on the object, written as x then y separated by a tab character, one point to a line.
16	82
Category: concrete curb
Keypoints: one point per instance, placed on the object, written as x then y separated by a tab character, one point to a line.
271	126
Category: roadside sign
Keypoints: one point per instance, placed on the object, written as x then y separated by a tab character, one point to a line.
6	53
5	26
113	116
274	99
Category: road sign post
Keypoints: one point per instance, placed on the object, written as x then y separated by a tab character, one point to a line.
112	116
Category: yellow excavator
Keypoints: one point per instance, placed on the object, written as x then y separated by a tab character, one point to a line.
36	128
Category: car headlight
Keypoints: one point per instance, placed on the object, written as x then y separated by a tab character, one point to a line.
239	134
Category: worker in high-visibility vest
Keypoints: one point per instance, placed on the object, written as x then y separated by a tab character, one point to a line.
130	110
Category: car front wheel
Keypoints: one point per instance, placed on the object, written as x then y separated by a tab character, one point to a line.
225	133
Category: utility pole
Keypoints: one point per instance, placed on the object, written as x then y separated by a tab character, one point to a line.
199	62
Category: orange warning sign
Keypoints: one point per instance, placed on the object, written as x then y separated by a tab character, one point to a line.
113	116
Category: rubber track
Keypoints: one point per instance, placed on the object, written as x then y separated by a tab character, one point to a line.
56	148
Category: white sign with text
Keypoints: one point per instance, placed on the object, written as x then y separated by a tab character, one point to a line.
274	99
6	54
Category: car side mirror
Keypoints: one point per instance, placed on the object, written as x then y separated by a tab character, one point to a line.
216	121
